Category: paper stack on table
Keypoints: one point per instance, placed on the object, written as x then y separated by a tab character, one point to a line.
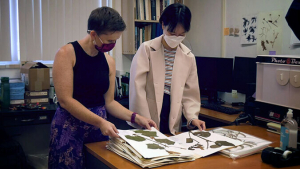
150	148
251	144
204	143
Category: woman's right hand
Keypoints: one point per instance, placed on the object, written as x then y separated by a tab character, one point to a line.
108	129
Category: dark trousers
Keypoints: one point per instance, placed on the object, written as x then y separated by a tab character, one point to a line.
165	114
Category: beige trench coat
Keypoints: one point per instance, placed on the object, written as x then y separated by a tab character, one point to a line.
147	79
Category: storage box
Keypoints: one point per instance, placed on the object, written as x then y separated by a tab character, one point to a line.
13	83
36	94
37	100
17	102
16	96
36	76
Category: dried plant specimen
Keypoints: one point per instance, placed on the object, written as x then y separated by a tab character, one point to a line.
135	138
154	146
189	140
201	133
165	141
196	146
146	133
204	134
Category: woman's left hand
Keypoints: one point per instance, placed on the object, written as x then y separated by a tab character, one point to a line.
145	122
199	123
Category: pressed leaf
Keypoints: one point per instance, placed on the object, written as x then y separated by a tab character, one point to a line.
189	140
146	133
202	134
242	147
165	141
215	146
240	134
135	138
191	148
199	146
154	146
224	143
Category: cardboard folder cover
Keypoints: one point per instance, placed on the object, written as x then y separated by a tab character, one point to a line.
36	76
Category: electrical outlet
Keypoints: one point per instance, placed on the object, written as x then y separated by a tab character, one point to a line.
234	94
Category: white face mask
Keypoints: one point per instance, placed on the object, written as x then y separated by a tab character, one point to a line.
173	41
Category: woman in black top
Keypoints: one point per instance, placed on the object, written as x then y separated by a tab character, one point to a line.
84	80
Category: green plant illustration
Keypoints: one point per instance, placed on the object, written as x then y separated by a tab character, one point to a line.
189	140
200	146
147	133
165	141
205	134
157	143
154	146
202	134
135	138
235	135
221	143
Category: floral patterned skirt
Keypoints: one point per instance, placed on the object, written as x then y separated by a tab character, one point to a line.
68	136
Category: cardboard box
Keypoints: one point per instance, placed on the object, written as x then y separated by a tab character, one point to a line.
36	76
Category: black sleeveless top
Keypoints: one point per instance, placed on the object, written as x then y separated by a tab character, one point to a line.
91	77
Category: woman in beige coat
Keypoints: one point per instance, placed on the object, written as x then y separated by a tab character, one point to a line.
163	75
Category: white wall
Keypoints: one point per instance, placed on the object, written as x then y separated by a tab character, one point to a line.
206	27
205	35
123	62
236	9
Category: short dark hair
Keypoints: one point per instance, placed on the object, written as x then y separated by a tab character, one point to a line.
176	14
105	19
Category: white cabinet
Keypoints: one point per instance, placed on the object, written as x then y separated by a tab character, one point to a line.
278	83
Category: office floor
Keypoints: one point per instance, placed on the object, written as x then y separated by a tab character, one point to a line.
34	140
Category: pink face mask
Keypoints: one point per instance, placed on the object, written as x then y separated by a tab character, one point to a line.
105	47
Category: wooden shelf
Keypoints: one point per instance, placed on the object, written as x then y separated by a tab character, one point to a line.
128	36
146	21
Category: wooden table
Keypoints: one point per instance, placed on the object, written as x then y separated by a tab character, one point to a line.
214	161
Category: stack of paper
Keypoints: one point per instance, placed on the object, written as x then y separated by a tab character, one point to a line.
148	148
251	144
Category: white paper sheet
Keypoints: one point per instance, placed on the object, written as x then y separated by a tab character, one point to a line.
249	29
142	147
269	37
251	144
209	147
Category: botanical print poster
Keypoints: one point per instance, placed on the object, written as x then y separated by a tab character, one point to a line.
269	35
249	29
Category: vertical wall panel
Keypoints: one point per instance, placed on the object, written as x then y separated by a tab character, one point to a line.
44	26
75	19
5	54
37	30
60	26
53	36
68	22
45	29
